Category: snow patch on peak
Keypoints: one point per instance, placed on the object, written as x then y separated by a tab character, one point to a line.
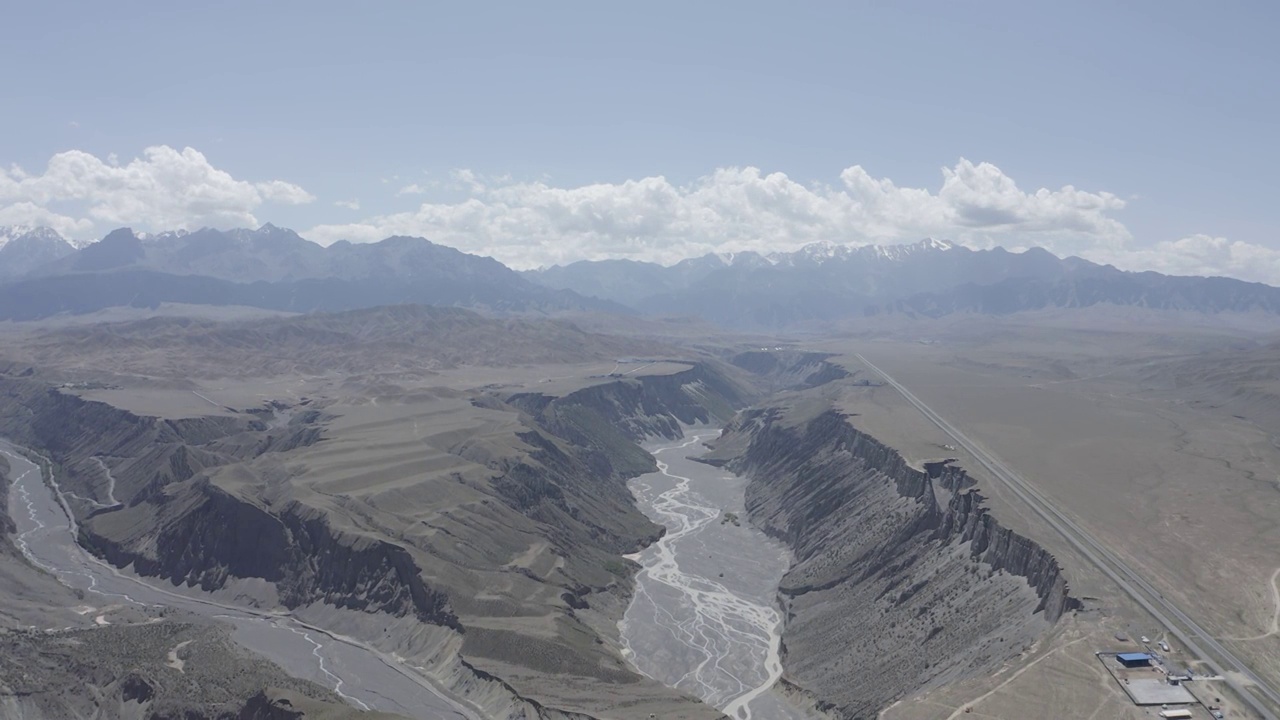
817	252
899	252
825	251
9	233
162	236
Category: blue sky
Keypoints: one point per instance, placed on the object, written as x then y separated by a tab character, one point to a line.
513	129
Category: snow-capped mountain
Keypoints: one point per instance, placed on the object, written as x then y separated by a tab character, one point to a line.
9	233
25	248
271	267
827	281
825	251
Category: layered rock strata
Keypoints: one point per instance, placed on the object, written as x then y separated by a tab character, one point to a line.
514	553
902	578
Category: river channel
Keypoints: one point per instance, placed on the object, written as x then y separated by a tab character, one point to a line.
704	618
363	676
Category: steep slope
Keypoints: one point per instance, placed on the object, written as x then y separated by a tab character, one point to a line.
902	580
23	249
492	544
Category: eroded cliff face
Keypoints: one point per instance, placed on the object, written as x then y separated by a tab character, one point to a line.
583	447
208	537
902	579
137	486
211	501
107	456
639	407
7	526
785	370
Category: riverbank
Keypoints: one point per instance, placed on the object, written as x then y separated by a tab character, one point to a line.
704	618
360	675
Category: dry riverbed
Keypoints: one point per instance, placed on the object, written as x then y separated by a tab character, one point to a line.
705	617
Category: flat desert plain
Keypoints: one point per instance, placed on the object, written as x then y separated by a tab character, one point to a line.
1172	475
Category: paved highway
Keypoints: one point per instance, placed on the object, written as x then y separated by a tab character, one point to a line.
1179	624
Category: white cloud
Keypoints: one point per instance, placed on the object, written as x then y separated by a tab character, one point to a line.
1203	255
531	223
413	189
468	180
164	189
30	214
534	223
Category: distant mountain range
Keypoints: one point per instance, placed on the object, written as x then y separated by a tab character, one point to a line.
270	268
929	278
41	274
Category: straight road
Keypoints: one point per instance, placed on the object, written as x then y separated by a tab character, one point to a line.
1179	624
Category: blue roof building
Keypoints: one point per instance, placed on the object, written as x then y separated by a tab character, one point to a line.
1133	659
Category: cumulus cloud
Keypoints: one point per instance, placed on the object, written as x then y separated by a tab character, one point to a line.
467	179
1202	255
163	189
535	223
32	215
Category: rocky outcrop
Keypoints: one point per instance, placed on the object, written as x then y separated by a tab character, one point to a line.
583	449
213	537
143	454
785	370
172	522
902	578
7	526
220	506
640	407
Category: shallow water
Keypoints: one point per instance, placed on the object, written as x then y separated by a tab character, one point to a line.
704	618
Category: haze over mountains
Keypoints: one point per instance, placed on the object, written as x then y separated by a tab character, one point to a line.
270	268
41	274
23	249
928	278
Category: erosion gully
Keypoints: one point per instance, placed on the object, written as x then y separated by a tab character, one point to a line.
363	676
705	618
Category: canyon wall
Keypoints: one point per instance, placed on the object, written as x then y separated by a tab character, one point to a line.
902	579
211	501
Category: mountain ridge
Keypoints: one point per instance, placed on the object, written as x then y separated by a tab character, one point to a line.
277	269
827	282
24	248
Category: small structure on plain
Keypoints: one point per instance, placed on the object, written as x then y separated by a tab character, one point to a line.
1133	659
